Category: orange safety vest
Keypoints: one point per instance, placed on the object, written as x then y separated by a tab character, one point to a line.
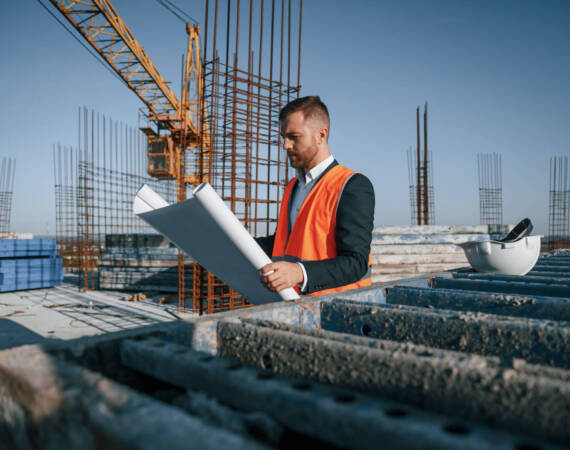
313	235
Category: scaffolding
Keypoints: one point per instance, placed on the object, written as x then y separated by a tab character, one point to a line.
489	167
7	175
559	204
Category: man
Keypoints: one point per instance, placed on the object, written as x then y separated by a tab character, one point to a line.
324	232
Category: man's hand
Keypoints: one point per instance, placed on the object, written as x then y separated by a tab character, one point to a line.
281	275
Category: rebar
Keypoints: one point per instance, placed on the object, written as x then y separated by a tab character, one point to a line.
247	167
95	185
559	204
7	176
65	175
489	167
239	151
420	175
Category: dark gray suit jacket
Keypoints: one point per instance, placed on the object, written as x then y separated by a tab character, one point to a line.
353	235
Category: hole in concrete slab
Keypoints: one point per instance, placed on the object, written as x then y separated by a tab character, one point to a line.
206	358
302	386
345	398
456	428
365	330
265	375
233	366
396	413
526	446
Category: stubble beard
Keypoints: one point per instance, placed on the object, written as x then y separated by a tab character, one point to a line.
301	163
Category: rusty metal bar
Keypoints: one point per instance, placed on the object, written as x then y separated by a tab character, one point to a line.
425	167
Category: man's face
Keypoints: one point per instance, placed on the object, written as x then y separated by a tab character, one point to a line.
300	140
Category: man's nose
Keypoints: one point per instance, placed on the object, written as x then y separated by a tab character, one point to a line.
286	144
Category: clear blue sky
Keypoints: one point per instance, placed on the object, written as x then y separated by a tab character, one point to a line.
496	75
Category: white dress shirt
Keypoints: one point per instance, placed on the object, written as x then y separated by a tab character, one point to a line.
305	183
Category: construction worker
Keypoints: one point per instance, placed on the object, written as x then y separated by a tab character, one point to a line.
324	232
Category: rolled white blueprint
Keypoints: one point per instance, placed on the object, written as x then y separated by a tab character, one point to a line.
206	229
147	200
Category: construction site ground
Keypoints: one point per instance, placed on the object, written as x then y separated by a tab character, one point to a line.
64	312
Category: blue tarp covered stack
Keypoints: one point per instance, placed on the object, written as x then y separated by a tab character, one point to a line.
29	264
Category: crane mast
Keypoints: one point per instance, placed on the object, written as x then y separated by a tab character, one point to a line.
99	24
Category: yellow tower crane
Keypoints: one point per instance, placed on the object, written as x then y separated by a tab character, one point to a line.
183	120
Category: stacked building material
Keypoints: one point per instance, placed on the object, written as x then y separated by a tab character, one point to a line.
29	264
410	251
141	262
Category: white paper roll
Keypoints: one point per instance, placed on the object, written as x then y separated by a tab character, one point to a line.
206	229
147	200
230	224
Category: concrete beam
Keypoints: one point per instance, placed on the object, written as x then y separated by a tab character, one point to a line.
560	280
337	416
475	387
416	249
441	229
536	341
49	404
415	268
412	349
413	238
506	287
420	259
551	308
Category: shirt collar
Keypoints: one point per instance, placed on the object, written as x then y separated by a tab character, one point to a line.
314	173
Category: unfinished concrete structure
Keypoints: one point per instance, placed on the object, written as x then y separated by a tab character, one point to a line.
406	252
455	360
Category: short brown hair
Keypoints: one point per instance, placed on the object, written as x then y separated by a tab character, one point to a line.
312	107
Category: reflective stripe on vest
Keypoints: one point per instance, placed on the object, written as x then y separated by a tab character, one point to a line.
313	235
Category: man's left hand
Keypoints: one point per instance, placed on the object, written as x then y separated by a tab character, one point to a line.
282	275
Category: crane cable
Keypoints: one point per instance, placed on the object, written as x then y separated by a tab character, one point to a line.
170	5
96	56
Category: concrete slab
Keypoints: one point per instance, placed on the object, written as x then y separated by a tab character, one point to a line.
480	388
64	313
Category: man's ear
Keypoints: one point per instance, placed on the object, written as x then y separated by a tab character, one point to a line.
323	134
